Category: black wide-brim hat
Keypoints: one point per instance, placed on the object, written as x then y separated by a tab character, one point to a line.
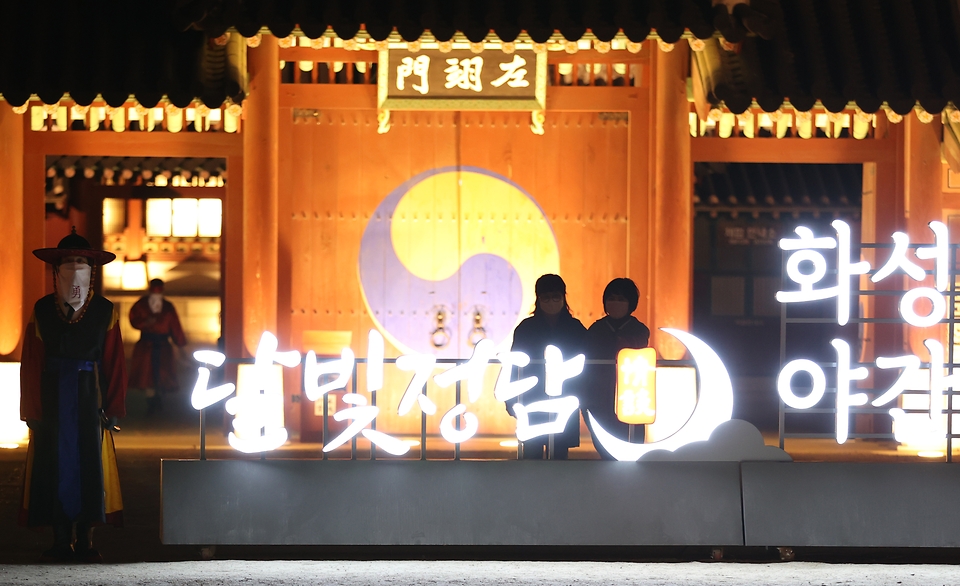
74	245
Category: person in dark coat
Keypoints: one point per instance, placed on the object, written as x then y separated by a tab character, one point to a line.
617	330
551	323
152	366
73	387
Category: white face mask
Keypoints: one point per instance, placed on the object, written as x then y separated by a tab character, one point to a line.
73	283
155	301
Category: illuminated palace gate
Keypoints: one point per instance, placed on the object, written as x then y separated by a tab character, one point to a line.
342	179
910	285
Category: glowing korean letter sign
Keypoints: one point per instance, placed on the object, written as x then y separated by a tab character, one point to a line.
258	406
806	249
807	267
202	396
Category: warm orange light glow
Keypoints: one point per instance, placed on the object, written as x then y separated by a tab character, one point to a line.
637	385
113	275
134	276
159	217
185	217
114	215
13	432
326	342
209	217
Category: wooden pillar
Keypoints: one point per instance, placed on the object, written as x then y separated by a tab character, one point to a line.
640	201
231	255
672	169
11	253
883	213
923	199
37	278
134	232
260	192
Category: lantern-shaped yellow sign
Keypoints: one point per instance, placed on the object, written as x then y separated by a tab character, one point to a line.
637	385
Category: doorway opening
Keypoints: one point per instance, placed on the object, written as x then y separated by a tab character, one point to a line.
162	217
742	211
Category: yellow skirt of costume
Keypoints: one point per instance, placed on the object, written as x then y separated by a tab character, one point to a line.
112	499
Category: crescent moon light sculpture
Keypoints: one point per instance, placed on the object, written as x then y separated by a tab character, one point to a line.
714	406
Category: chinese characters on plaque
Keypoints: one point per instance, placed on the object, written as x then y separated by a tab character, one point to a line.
459	74
461	80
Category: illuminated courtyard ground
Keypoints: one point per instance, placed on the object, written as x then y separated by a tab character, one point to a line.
466	573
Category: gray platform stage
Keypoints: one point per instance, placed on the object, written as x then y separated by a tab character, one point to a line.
310	502
851	504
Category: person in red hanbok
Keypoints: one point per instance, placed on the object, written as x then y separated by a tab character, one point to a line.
152	367
73	387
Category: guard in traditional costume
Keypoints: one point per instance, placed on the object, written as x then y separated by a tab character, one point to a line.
73	387
152	368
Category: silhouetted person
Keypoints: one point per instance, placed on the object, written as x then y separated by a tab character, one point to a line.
617	330
551	323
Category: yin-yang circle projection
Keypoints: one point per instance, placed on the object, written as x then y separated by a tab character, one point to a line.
451	255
